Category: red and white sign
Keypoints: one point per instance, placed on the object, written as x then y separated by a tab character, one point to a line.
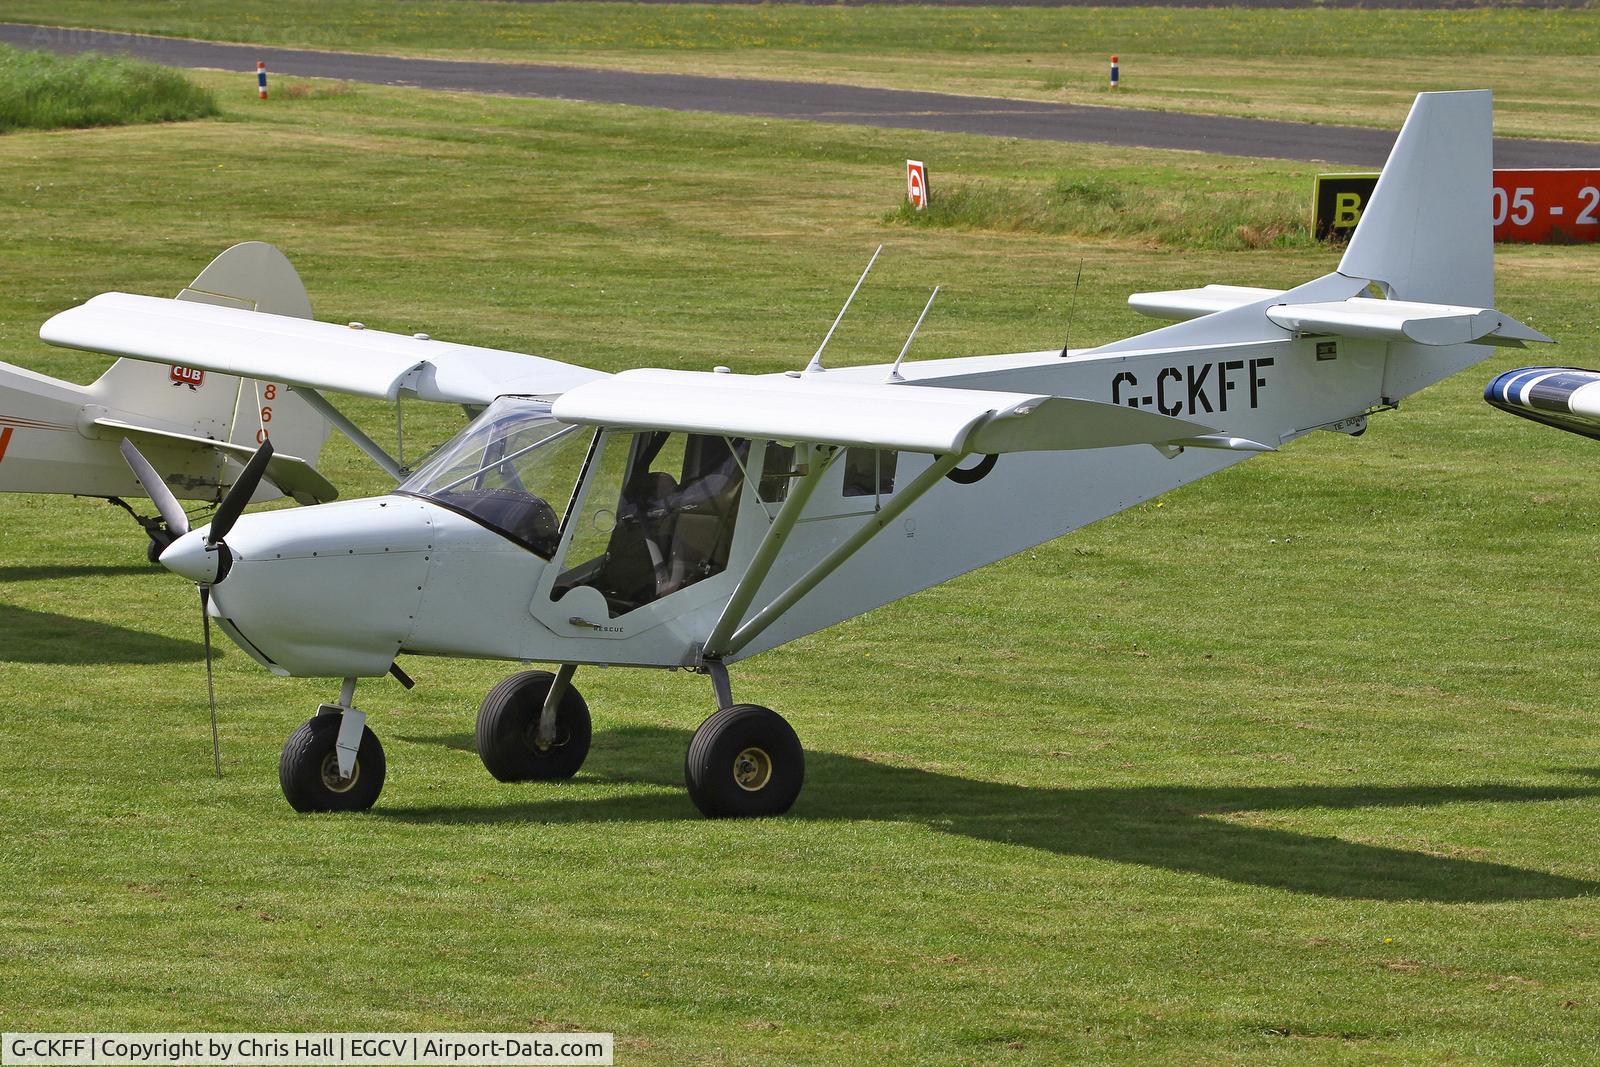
188	376
1546	206
917	184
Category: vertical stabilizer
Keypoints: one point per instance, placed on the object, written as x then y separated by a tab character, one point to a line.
254	276
1426	234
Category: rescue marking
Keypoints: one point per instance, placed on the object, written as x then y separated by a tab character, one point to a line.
5	439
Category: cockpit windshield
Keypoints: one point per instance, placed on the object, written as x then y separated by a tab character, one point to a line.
509	470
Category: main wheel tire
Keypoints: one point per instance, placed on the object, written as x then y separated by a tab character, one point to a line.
308	769
508	724
744	761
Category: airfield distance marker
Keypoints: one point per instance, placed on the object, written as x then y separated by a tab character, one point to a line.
1113	74
261	77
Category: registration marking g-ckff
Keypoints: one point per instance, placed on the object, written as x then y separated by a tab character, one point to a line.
1195	388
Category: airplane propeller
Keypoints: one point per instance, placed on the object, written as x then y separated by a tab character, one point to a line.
205	562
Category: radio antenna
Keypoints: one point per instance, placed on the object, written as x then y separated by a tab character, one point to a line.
894	371
816	360
1071	309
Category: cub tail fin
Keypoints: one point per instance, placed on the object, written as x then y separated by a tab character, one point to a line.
254	276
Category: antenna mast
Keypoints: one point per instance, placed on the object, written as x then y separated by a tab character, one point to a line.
815	365
1072	309
894	371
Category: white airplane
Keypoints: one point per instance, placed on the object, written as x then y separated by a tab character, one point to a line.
198	426
687	520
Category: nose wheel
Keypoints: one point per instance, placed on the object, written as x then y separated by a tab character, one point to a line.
309	768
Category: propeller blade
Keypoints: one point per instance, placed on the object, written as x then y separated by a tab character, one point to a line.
233	504
211	689
171	511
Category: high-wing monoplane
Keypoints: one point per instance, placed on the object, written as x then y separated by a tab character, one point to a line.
687	520
198	427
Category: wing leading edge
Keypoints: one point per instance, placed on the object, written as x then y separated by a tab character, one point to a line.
315	355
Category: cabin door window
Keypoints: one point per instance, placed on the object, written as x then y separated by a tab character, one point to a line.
658	517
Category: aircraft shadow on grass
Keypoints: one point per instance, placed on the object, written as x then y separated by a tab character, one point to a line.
28	636
47	572
1177	828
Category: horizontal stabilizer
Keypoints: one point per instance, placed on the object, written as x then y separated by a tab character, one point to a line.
316	355
905	417
292	476
1183	304
1401	320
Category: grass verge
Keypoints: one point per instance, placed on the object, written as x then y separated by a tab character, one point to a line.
45	91
1226	219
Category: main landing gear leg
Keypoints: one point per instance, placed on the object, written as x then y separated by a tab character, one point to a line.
333	762
534	726
155	529
743	761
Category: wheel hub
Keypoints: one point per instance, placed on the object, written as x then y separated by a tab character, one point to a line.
330	774
752	769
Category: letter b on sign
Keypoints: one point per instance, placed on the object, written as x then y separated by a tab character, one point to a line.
917	184
1339	200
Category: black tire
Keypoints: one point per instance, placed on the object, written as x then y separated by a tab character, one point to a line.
159	543
744	761
308	769
508	721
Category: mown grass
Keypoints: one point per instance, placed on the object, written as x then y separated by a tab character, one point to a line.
46	91
1351	66
1225	219
1296	765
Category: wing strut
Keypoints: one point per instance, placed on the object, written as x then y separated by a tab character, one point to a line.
777	535
337	418
893	509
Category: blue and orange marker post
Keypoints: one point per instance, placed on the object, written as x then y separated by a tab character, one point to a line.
1113	75
261	77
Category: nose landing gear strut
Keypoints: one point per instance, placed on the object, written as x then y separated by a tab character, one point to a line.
333	762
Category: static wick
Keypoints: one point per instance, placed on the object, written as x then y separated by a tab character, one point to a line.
816	360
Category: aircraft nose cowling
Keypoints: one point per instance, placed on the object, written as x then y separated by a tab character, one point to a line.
326	591
190	558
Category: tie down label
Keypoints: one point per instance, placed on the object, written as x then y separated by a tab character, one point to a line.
1197	389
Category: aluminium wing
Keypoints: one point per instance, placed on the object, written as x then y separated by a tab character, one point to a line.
912	418
314	355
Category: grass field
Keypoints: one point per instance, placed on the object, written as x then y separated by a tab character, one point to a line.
1357	67
44	91
1296	765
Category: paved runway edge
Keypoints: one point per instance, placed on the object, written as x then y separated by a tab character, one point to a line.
852	105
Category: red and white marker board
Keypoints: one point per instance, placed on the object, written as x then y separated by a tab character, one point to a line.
1546	206
917	184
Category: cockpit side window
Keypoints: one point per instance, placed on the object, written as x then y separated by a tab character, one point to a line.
505	470
658	518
